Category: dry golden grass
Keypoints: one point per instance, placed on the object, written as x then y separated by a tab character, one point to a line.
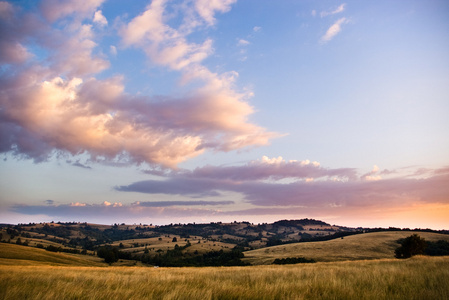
11	254
416	278
375	245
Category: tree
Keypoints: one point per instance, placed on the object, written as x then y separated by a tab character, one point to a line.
410	246
174	240
110	254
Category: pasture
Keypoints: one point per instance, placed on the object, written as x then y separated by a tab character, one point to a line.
373	245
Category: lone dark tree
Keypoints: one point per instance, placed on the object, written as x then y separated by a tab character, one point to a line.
412	245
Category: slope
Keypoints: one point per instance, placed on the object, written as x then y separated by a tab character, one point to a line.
11	254
374	245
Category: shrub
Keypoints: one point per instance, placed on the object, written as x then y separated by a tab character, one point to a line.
437	248
410	246
292	260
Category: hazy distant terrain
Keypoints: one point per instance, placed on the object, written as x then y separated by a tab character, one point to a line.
211	244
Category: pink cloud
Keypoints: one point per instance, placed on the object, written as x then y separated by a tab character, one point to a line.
333	30
327	194
363	202
54	103
56	9
274	169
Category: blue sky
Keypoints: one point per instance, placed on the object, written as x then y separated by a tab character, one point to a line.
197	111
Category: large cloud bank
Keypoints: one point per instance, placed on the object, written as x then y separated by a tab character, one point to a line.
272	187
53	101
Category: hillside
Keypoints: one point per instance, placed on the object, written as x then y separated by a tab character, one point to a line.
11	254
205	244
373	245
135	238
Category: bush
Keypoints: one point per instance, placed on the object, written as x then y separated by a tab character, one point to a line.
110	254
437	248
292	260
410	246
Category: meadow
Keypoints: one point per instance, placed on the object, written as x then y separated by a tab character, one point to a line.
356	267
415	278
373	245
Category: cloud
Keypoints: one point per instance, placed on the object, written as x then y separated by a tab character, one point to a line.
182	203
14	24
54	103
100	19
323	191
322	198
371	176
274	169
242	43
257	28
106	212
207	8
80	165
57	9
333	30
191	187
339	9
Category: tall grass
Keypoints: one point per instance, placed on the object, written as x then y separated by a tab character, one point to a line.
416	278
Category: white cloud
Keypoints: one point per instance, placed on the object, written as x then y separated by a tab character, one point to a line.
243	42
207	8
339	9
257	28
372	176
333	30
100	19
61	106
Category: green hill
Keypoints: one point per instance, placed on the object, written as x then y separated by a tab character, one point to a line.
374	245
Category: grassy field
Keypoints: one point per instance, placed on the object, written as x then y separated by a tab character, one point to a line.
30	273
416	278
375	245
11	254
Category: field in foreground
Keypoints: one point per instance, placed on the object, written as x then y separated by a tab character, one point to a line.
415	278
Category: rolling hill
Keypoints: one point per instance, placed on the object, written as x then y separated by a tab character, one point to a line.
11	254
373	245
199	244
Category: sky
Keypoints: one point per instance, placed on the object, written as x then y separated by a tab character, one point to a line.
160	112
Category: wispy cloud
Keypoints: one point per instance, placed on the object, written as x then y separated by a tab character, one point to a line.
242	42
333	30
339	9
